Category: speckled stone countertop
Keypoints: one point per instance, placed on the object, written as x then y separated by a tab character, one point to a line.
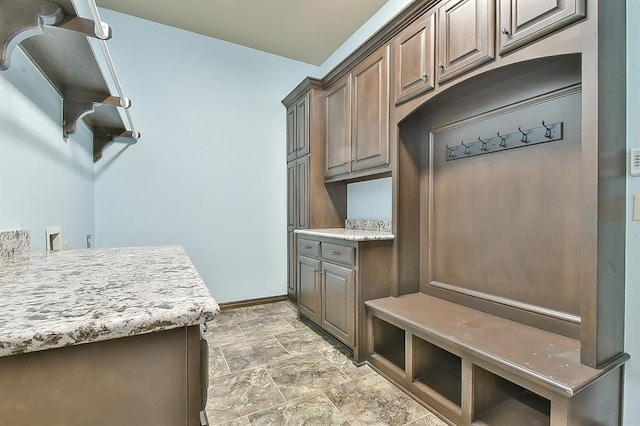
71	297
347	234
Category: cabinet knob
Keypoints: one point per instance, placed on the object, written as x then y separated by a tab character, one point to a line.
425	76
506	32
441	65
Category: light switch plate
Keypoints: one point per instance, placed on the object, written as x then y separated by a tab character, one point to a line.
634	162
636	207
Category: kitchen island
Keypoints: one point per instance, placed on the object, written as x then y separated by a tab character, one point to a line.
109	336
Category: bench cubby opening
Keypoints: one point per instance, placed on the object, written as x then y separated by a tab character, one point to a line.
389	342
500	402
436	369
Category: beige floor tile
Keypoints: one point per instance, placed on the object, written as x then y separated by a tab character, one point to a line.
233	315
372	400
303	341
304	374
262	327
429	420
312	410
220	334
217	364
239	394
286	309
345	363
253	353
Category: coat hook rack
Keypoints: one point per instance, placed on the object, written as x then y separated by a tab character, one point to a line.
503	142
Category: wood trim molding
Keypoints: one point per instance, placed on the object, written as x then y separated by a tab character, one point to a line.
251	302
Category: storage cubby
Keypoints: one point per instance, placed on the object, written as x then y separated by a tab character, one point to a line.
499	402
389	342
437	369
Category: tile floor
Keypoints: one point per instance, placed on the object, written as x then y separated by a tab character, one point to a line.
266	367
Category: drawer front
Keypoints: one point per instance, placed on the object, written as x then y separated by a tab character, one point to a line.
309	247
340	254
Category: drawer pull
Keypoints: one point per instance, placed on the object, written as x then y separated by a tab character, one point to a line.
336	253
308	247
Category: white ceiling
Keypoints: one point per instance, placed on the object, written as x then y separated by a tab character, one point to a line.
304	30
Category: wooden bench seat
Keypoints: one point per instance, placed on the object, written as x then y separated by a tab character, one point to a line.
475	352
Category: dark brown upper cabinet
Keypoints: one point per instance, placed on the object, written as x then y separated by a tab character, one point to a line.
466	36
524	21
357	120
370	139
298	128
414	59
338	128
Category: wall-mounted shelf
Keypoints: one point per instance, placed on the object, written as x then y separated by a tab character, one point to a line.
55	37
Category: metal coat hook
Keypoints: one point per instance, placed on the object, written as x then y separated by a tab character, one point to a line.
547	133
467	149
524	139
503	141
484	144
452	152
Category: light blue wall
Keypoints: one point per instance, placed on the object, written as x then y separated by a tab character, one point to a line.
369	199
44	180
632	322
210	169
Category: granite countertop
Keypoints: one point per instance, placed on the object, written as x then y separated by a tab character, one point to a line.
347	234
71	297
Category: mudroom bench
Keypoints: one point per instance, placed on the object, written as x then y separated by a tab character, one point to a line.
475	368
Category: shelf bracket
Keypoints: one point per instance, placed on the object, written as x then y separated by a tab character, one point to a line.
84	26
103	137
23	19
77	104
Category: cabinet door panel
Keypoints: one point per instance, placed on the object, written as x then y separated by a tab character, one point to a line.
466	36
370	139
292	183
302	126
524	21
291	133
414	59
291	265
309	290
338	301
338	128
302	166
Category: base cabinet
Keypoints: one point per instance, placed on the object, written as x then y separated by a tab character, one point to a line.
149	379
338	301
335	277
310	292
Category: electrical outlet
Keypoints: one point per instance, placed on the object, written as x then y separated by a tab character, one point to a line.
634	162
54	238
88	240
636	207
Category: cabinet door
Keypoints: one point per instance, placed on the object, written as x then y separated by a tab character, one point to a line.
414	59
291	133
466	36
291	265
292	199
338	128
302	126
370	138
338	301
309	290
523	21
302	193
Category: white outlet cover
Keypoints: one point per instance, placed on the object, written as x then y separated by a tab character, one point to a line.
54	238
